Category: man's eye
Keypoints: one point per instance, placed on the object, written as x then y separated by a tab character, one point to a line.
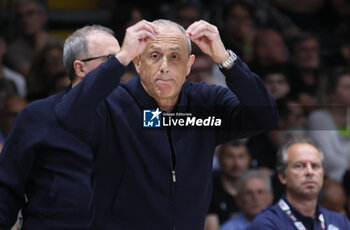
154	56
316	166
174	56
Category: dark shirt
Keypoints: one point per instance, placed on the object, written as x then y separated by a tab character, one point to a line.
222	203
262	151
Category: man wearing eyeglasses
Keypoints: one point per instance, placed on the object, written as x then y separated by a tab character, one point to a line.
160	178
45	170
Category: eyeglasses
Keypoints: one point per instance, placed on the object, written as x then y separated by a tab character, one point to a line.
108	56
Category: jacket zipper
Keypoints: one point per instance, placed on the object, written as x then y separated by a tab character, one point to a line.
172	157
173	172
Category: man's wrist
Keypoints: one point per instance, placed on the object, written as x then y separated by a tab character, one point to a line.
228	63
123	58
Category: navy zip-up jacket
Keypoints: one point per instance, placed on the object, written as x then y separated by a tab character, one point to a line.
50	166
159	178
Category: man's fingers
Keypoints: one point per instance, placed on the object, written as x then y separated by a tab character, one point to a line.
200	26
195	28
135	40
145	25
190	28
144	34
208	34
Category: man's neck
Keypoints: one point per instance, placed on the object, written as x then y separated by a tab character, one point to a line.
167	105
250	218
305	205
229	184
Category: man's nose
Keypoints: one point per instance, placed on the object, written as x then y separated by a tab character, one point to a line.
164	65
309	169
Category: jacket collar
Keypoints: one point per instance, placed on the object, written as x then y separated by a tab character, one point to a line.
298	214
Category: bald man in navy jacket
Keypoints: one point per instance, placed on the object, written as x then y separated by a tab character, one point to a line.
45	171
160	178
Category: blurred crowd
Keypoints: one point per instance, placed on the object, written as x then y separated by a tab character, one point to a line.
300	49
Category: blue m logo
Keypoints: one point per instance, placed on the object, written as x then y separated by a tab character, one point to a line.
151	118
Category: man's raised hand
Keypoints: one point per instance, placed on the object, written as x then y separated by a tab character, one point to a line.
135	40
207	38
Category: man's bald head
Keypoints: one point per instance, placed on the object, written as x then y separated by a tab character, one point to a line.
167	24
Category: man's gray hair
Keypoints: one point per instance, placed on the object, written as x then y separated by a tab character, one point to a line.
282	155
250	174
77	44
171	23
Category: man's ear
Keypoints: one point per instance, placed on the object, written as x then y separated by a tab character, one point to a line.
137	63
190	63
282	177
79	68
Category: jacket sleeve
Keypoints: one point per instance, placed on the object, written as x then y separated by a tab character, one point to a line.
79	111
16	161
250	110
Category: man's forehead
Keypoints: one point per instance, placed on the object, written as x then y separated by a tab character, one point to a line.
303	152
236	149
170	36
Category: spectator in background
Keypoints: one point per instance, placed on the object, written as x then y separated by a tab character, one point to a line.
124	15
5	72
268	16
187	14
269	48
7	89
60	82
329	126
342	9
31	17
300	169
201	69
234	160
276	79
254	193
332	196
322	18
305	58
238	29
305	52
311	15
12	107
291	122
292	119
47	65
